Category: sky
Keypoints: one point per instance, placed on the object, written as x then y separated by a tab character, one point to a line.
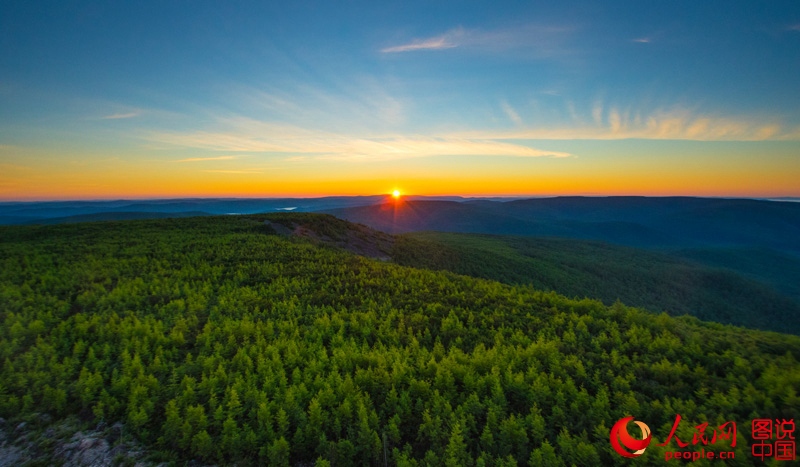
167	99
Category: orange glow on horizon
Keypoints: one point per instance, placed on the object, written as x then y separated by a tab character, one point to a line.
474	188
126	182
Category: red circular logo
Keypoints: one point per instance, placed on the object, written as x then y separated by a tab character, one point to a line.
620	438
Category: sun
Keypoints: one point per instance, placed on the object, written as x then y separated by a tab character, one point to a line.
396	194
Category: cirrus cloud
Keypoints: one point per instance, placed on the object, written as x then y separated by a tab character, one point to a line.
542	40
445	41
246	135
611	123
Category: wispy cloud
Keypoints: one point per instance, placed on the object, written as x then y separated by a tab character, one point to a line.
511	113
614	121
446	41
794	27
411	147
597	112
354	102
543	40
245	135
573	112
202	159
642	40
119	116
611	123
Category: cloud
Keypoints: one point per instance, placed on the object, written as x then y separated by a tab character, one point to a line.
792	136
794	27
544	41
356	100
511	113
598	121
246	135
446	41
642	40
572	111
614	121
676	124
597	113
411	147
119	116
201	159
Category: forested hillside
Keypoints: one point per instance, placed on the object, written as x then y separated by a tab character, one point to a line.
645	222
653	280
780	270
216	339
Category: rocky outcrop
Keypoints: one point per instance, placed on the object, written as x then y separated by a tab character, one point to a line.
41	441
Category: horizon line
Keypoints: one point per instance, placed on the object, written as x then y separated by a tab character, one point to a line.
389	195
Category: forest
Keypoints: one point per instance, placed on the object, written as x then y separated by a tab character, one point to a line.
710	284
215	339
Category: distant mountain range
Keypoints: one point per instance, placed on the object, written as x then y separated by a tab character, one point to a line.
66	211
664	223
56	212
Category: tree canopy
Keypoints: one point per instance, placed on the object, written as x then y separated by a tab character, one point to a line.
212	338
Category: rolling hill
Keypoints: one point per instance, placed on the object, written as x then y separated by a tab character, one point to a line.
579	268
233	340
780	270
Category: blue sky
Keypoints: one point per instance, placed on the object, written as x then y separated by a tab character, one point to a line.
194	94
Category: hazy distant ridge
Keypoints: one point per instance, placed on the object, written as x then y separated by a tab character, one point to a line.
677	222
